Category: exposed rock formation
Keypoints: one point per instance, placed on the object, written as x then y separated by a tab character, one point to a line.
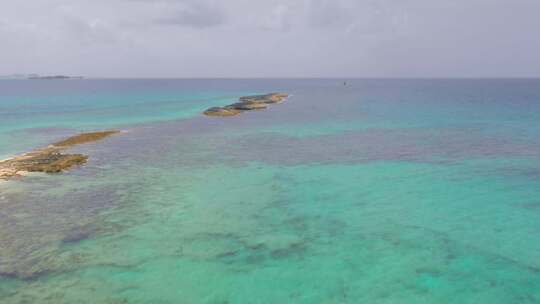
217	111
247	103
84	138
268	98
50	159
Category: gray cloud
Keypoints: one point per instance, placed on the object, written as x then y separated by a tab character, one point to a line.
90	32
279	18
243	38
330	13
197	14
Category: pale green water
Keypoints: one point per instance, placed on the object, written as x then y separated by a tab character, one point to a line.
358	200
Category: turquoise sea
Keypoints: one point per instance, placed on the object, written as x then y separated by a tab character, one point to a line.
380	191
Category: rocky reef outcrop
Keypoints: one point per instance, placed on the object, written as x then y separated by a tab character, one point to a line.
50	159
218	111
84	138
247	103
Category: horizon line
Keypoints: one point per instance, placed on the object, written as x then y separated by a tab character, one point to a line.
6	77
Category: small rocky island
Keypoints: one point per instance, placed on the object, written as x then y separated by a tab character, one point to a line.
50	159
53	77
247	103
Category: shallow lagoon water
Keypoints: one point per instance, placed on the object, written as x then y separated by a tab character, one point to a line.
382	191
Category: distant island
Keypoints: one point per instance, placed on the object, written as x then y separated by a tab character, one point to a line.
37	76
54	77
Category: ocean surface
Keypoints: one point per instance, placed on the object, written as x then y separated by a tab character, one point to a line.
380	191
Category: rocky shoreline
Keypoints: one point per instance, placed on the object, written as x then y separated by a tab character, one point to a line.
247	103
50	159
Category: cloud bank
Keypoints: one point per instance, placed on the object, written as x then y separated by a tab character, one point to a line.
273	38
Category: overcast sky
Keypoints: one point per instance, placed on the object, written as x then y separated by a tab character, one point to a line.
271	38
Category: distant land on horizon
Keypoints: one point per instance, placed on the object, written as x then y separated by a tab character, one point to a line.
37	76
